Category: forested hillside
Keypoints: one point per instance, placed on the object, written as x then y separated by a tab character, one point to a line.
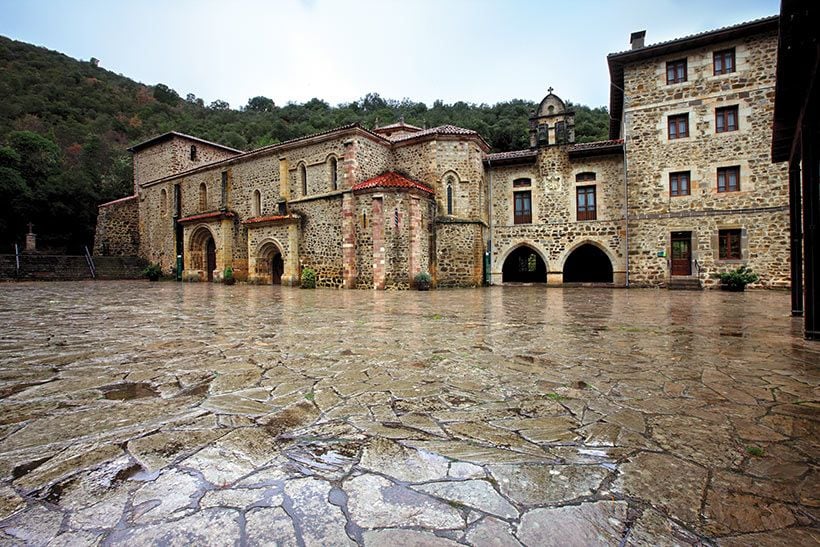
65	126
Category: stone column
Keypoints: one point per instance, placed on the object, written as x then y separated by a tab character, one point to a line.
810	139
290	277
224	254
555	279
350	165
414	222
377	225
349	240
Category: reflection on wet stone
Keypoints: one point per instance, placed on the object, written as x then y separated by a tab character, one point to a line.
507	416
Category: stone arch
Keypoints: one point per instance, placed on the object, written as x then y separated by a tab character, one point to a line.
270	261
202	251
203	197
588	261
256	203
506	263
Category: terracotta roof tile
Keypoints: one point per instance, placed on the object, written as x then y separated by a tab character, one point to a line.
208	216
440	130
391	179
268	218
595	145
512	155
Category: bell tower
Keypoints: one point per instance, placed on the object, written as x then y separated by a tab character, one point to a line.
552	124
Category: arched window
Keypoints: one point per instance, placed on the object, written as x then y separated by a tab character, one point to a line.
163	203
450	182
193	152
303	178
334	173
364	220
203	197
256	204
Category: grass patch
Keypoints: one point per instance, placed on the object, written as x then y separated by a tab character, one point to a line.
554	396
754	451
309	396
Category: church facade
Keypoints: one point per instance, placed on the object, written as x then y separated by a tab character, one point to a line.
682	190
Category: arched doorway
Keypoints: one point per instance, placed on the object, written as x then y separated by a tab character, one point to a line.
524	265
269	263
202	251
587	264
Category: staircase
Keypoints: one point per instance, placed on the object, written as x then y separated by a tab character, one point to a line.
44	267
690	283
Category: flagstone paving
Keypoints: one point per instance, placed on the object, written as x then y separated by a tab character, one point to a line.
165	413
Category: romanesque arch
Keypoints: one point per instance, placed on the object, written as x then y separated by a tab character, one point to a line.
202	251
270	262
588	262
524	263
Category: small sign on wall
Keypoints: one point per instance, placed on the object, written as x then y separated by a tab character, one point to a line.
662	254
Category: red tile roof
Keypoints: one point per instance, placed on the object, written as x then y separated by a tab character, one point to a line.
392	179
597	144
440	130
512	155
116	201
208	216
269	219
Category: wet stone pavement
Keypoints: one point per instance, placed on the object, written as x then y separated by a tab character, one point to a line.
136	413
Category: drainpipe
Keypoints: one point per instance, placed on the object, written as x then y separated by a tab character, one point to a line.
626	194
490	222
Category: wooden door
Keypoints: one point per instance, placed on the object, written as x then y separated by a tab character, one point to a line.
681	253
277	268
210	261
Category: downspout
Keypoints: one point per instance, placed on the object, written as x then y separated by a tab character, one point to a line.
626	193
490	221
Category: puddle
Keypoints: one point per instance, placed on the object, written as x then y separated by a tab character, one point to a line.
128	391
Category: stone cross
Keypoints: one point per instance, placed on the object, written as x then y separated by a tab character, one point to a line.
30	228
549	90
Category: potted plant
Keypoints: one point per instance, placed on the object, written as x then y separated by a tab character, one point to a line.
227	276
422	281
308	279
153	272
736	280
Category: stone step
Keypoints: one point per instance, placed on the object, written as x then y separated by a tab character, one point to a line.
684	284
69	267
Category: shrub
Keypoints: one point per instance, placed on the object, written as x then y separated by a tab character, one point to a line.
227	276
422	281
152	272
308	279
736	280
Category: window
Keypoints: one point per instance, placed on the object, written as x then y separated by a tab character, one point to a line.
560	133
728	179
729	245
334	174
449	198
679	183
585	177
724	61
364	220
523	207
586	202
303	178
256	207
203	197
726	119
678	126
193	152
676	71
163	203
518	183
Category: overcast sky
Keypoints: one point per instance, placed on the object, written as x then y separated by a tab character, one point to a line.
339	50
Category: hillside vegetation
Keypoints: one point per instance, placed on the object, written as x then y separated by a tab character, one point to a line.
65	126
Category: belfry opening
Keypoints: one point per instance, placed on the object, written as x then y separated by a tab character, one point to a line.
524	265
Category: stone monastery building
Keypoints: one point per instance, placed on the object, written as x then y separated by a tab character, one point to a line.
684	188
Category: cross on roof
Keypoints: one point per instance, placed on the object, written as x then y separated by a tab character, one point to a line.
549	90
30	228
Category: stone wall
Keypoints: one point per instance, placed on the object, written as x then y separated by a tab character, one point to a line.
320	244
459	253
555	231
173	156
760	204
117	231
